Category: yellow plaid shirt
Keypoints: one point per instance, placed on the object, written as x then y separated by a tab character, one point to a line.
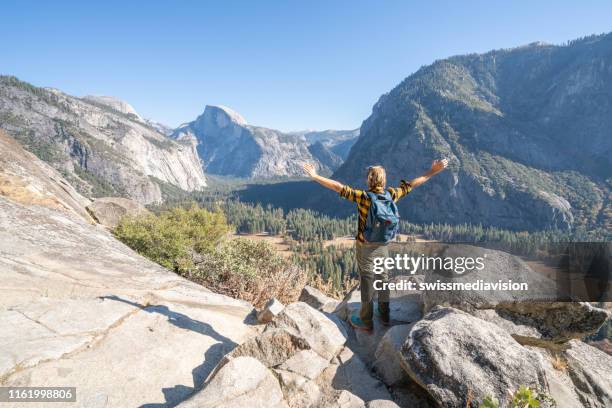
363	201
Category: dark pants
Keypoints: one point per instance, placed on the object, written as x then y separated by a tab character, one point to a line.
366	252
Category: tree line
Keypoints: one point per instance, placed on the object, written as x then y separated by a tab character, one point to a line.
306	231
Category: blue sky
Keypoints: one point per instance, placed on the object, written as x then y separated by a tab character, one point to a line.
283	64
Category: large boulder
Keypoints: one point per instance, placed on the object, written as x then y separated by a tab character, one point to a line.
108	211
453	354
498	266
554	321
242	382
591	372
324	336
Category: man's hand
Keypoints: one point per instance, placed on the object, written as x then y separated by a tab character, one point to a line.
325	182
439	165
436	167
310	170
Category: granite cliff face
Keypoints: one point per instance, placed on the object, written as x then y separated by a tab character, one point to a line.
227	145
80	308
527	132
100	144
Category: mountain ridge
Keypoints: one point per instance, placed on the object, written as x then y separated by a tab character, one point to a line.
229	146
528	144
100	149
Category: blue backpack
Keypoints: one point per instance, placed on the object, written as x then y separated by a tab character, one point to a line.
382	221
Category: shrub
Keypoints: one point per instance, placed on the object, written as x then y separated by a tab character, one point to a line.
524	397
173	237
194	243
250	270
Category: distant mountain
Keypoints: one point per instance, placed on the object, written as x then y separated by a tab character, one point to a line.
325	156
227	145
528	132
116	104
99	143
338	142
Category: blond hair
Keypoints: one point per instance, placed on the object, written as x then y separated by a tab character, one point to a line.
377	177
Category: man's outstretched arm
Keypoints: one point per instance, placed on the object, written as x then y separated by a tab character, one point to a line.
436	167
325	182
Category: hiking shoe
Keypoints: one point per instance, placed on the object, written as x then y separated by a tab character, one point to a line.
357	323
386	321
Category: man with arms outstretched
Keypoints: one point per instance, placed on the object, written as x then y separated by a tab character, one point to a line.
376	208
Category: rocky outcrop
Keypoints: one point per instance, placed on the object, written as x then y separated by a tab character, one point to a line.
485	345
101	146
324	335
514	125
532	316
81	308
452	354
108	211
306	351
72	296
228	145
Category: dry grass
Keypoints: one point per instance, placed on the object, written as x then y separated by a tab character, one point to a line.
558	362
328	288
469	397
250	270
285	286
278	242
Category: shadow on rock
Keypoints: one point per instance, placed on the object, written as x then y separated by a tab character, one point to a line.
178	393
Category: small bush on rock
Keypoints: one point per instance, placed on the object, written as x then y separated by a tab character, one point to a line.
524	397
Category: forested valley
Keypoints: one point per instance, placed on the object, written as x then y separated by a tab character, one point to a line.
323	246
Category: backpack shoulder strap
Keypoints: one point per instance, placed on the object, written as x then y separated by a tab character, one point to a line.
372	195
